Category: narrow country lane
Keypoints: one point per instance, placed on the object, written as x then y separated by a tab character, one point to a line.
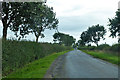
81	65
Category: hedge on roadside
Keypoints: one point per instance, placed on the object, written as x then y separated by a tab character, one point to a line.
15	54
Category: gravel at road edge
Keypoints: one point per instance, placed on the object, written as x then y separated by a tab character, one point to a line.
55	67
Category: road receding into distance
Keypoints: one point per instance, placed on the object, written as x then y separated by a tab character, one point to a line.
81	65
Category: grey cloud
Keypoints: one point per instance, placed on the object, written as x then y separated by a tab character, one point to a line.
79	23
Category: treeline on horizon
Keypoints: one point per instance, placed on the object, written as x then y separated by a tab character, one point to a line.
114	49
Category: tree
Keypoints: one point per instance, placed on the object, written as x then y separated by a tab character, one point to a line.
115	25
24	18
80	43
93	34
64	39
43	19
16	17
96	33
85	38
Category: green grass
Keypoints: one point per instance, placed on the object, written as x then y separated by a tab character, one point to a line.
104	56
36	69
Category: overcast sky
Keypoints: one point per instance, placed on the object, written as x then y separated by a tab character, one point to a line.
75	16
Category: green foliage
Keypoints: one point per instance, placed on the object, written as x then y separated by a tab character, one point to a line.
43	18
18	53
96	32
87	47
104	51
80	43
93	34
85	38
115	48
24	18
103	47
115	25
36	69
64	39
112	49
16	16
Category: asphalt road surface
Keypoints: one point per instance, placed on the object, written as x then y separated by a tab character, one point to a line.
81	65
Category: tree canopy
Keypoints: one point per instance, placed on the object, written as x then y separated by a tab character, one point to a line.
85	38
27	17
43	19
93	34
115	25
16	16
64	39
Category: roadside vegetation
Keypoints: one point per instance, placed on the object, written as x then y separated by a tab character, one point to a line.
36	69
23	19
104	56
104	51
97	32
64	39
16	54
34	18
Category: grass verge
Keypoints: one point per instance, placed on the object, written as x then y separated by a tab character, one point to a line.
36	69
104	56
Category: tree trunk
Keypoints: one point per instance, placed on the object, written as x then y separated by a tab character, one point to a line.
97	44
5	25
37	38
5	32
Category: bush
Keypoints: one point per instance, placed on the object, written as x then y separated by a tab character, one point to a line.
87	47
103	47
18	53
115	48
92	47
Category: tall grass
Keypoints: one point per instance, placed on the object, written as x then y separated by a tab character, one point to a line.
105	56
18	53
104	51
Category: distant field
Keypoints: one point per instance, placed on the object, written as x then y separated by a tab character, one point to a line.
36	69
105	56
16	54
